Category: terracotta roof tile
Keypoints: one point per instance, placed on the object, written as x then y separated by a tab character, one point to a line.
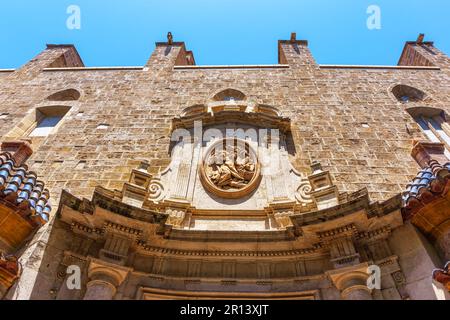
20	187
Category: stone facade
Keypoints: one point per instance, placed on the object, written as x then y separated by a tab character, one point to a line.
132	212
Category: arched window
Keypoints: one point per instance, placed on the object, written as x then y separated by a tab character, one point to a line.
405	94
65	95
229	95
433	123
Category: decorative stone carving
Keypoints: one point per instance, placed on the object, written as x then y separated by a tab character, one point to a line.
230	168
156	190
176	217
283	218
303	193
135	191
341	245
324	192
400	283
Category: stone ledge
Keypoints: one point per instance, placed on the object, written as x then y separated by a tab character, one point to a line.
250	66
131	68
339	66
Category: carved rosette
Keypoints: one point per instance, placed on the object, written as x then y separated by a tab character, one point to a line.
230	169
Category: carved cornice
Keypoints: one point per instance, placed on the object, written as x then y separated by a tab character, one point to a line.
347	230
154	293
391	260
261	119
216	253
377	234
89	232
359	201
232	236
121	229
102	198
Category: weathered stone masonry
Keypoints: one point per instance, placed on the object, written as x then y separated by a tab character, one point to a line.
345	117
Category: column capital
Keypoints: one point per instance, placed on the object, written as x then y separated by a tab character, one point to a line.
104	279
350	280
107	272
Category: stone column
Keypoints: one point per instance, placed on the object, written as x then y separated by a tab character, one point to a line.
104	279
100	290
352	282
357	292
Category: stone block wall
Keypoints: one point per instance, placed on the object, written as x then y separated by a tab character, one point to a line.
342	116
346	118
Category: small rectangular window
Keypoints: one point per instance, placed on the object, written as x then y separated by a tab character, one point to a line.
45	126
436	122
432	127
426	129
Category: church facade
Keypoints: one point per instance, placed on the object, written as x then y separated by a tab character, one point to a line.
179	181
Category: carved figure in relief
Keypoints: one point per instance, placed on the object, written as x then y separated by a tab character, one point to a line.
231	168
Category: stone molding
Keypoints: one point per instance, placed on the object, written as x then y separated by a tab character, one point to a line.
145	293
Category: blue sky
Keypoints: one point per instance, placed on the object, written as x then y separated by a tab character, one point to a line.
119	32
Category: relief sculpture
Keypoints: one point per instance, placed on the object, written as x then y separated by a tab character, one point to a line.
230	168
